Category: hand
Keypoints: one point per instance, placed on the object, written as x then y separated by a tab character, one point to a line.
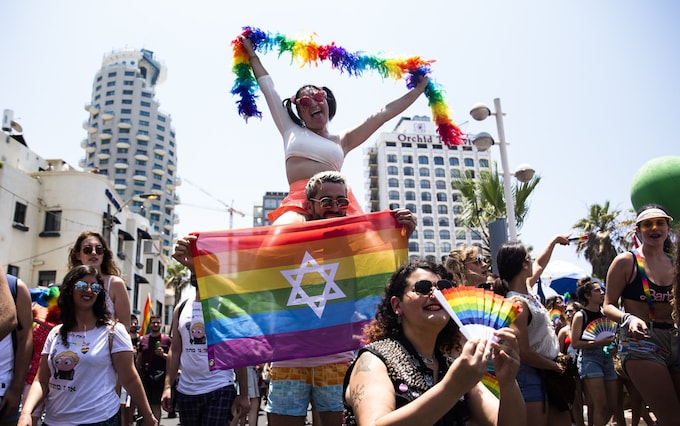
242	403
505	354
422	83
9	405
407	219
182	252
166	399
248	46
562	240
150	421
469	367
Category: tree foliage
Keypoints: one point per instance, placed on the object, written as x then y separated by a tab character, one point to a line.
177	277
484	201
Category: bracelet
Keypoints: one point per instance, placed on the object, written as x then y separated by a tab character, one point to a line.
625	319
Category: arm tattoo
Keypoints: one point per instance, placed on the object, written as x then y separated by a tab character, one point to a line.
363	365
356	394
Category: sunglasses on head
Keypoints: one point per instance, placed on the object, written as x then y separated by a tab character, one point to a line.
90	249
328	202
478	260
306	101
95	288
648	224
424	287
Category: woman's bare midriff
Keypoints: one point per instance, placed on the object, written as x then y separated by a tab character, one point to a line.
299	168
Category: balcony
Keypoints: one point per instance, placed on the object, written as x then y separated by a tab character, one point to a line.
141	157
120	186
124	125
104	156
159	172
105	136
139	178
123	145
142	137
107	115
121	166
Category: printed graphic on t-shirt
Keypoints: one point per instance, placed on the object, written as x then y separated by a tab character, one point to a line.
64	365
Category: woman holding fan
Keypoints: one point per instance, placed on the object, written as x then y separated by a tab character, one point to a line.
403	375
595	365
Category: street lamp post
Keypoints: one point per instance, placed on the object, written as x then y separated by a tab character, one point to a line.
483	141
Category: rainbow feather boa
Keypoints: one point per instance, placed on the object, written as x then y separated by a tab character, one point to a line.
353	63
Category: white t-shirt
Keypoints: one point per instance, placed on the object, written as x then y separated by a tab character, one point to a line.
196	377
6	363
82	384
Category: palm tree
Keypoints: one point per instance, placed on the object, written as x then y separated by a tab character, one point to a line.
608	235
484	201
177	277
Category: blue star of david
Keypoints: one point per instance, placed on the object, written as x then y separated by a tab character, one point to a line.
298	296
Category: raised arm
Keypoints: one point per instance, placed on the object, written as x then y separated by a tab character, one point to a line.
358	135
544	257
255	64
172	362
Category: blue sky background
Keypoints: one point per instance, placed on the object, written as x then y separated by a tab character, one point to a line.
589	88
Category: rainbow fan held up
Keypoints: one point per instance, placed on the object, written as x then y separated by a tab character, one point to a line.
599	329
477	312
353	63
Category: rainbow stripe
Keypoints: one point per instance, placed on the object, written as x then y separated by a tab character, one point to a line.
491	383
555	315
353	63
146	316
296	291
579	238
599	329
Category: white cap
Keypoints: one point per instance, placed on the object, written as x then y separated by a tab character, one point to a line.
652	213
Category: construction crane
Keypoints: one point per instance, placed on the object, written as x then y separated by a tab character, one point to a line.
230	208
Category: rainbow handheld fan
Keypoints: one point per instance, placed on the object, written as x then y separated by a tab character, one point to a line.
599	329
477	312
555	315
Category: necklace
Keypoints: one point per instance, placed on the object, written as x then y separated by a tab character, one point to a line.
426	360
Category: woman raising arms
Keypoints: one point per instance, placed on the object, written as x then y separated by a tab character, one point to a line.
309	146
643	279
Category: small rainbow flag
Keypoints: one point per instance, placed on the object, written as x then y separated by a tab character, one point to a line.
555	315
295	291
146	316
579	238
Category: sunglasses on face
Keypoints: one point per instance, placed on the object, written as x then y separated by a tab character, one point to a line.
424	287
306	101
648	224
328	202
478	260
568	311
95	288
89	249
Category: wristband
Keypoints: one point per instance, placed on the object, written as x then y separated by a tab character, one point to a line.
626	318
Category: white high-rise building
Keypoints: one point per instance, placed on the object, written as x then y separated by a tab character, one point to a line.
130	140
410	167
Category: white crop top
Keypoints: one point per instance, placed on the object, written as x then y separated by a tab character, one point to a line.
299	141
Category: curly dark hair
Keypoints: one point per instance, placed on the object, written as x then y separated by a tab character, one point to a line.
386	323
109	266
330	98
66	305
585	286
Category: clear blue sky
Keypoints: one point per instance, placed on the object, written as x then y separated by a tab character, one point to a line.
589	88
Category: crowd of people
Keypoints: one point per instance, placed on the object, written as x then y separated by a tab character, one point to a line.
415	368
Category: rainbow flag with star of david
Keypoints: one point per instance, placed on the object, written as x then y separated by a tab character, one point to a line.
296	291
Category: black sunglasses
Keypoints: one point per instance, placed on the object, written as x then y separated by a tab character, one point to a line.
89	249
424	287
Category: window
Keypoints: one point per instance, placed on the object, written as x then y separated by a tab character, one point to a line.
424	171
428	234
440	184
111	74
454	161
160	128
446	247
410	196
475	235
457	210
145	104
408	171
444	221
470	174
393	183
440	172
128	83
110	92
412	246
391	158
455	173
407	159
460	235
126	111
441	196
484	163
394	195
469	162
414	235
129	74
52	224
425	196
145	113
442	209
19	221
427	208
427	221
422	159
412	208
425	184
429	248
144	123
110	84
438	161
392	171
444	234
127	102
409	183
394	206
45	278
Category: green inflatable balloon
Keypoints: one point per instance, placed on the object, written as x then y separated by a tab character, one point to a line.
658	182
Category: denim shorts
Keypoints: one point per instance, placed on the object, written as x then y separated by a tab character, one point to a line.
595	363
530	381
292	388
661	346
